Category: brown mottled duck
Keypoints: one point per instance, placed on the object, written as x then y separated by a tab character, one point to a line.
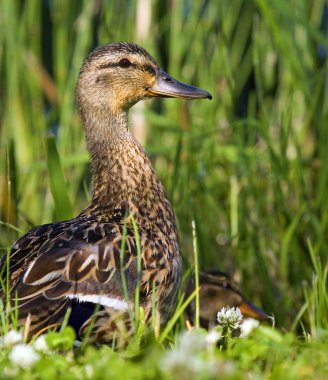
79	263
218	290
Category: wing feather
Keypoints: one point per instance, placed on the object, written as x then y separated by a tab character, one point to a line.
55	265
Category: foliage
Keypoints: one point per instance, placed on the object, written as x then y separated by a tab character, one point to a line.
265	354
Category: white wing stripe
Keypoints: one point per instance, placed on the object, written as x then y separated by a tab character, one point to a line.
114	303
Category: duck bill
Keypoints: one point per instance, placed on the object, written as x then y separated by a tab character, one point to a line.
166	86
252	311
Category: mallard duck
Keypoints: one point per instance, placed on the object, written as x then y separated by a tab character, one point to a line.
218	290
79	263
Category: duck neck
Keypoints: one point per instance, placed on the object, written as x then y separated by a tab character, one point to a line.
121	171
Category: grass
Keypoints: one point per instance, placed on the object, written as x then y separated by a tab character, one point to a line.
250	167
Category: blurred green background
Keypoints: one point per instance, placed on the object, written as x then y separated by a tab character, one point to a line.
250	166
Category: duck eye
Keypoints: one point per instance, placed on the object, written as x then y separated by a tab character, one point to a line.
150	70
124	62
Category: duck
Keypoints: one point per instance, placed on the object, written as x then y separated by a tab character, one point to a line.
125	241
217	290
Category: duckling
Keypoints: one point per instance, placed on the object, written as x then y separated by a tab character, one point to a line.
80	264
218	290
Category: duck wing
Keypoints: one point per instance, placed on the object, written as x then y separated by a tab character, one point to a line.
75	261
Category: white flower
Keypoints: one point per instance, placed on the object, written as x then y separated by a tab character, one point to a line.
77	343
192	341
271	318
11	338
247	326
212	337
230	317
23	355
89	370
182	365
41	345
10	372
185	361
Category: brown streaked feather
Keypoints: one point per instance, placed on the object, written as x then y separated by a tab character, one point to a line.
108	326
41	313
72	261
58	290
103	277
24	291
46	267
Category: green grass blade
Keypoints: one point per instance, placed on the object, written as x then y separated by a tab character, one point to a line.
58	187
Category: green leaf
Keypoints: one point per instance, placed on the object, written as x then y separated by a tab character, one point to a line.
63	340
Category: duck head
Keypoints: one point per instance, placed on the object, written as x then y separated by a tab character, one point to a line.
115	77
218	290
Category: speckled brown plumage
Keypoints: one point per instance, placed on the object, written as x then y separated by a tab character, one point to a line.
77	263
